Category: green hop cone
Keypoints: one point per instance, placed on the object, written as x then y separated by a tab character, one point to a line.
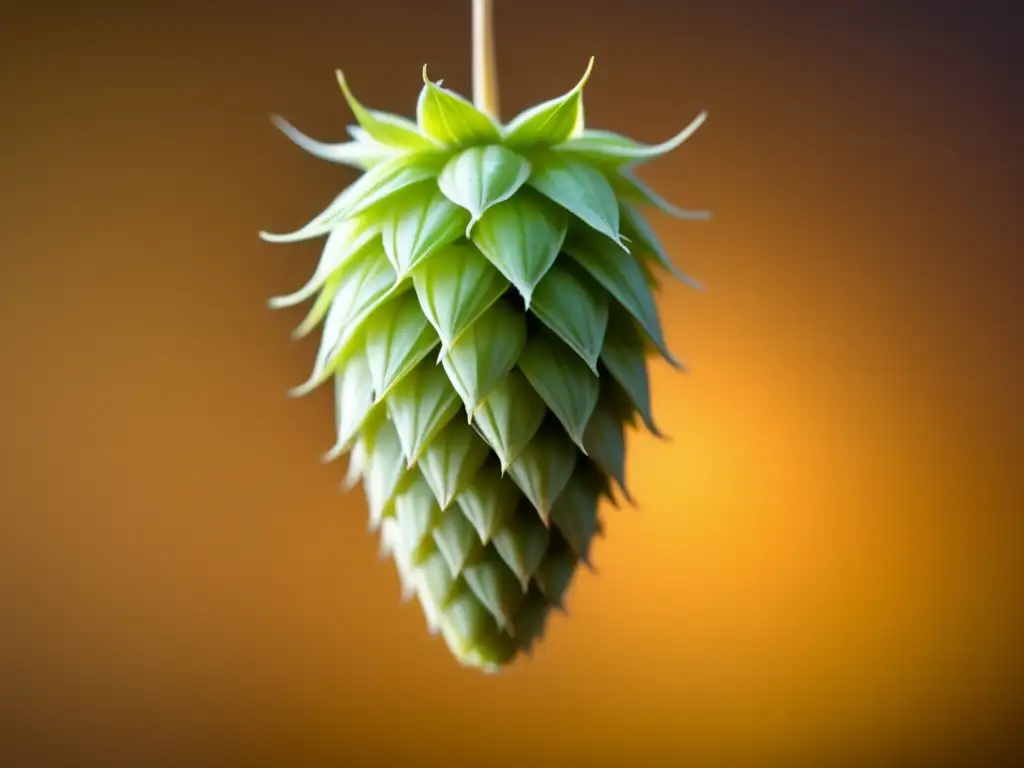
485	292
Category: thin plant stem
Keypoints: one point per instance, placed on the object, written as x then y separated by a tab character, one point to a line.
485	66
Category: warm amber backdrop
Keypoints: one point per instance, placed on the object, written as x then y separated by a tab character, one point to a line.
826	563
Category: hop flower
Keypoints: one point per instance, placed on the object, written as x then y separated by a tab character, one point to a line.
485	292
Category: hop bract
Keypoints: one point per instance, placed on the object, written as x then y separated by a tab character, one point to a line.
485	293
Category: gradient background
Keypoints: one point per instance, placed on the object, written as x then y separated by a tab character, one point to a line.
827	563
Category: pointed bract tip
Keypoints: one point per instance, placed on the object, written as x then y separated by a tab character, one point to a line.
288	237
426	77
689	130
630	500
282	302
343	84
670	145
353	103
586	74
686	215
304	389
675	362
333	454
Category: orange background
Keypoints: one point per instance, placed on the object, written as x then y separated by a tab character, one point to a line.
826	561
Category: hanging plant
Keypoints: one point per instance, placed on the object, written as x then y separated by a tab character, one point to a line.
485	292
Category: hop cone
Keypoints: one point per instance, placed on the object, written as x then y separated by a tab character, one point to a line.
486	298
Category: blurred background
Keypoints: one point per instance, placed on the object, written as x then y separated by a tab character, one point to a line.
826	565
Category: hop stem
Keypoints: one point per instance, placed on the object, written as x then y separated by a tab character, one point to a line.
485	67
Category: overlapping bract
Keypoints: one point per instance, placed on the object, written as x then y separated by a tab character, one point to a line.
485	293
